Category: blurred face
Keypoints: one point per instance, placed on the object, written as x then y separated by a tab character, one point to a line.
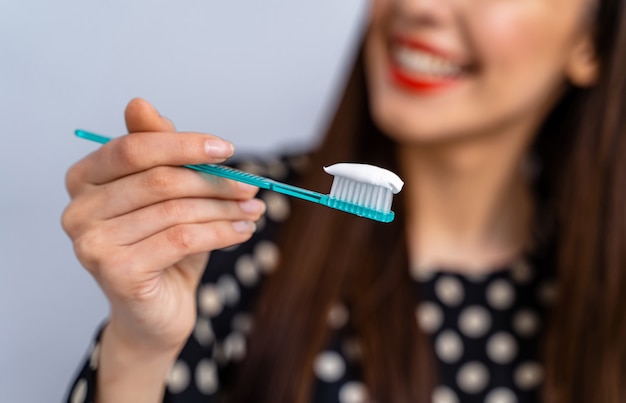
446	69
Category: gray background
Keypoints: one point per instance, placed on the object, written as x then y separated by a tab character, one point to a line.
263	74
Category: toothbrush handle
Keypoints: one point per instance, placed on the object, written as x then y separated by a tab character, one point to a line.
234	174
259	181
265	183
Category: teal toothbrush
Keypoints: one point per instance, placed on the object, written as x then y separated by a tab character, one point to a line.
360	189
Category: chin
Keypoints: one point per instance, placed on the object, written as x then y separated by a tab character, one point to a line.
405	128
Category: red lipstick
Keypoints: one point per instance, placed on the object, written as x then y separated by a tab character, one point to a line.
413	81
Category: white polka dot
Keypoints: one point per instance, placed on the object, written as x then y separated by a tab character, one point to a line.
277	206
266	255
209	300
526	323
421	274
429	316
79	394
500	294
528	375
351	349
242	322
472	377
229	289
203	332
179	377
94	358
353	392
206	377
443	394
246	271
329	366
501	348
501	395
474	321
449	290
235	346
521	272
449	346
338	316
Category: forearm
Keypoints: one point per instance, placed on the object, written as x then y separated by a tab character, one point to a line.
130	374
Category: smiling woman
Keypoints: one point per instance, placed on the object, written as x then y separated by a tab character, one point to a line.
454	61
502	280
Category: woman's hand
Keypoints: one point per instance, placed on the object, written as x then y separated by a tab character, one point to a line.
143	226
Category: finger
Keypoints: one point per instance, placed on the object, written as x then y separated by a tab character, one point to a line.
141	116
141	151
99	203
142	224
156	185
168	247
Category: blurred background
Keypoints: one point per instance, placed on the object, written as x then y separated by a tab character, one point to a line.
264	75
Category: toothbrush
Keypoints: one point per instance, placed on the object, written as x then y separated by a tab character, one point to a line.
360	189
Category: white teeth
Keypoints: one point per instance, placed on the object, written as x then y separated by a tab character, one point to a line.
421	62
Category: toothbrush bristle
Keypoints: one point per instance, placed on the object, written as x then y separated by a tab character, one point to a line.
362	194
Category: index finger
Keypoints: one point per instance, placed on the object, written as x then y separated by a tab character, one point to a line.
138	152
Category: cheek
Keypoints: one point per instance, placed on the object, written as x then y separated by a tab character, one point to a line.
507	38
523	52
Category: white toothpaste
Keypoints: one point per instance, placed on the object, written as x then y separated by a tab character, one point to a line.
369	174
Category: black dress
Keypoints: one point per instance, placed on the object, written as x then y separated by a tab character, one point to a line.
484	329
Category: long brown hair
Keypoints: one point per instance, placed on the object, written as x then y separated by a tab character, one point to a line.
328	256
586	342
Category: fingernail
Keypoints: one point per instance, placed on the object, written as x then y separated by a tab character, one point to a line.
219	148
244	227
252	206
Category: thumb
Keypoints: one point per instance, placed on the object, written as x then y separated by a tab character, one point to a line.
141	116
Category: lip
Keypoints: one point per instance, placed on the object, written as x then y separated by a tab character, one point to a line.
423	46
420	85
413	82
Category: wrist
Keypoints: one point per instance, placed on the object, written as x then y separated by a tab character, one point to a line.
131	340
131	371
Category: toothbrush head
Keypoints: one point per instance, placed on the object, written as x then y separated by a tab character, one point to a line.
364	190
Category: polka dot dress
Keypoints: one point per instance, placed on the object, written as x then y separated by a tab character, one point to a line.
484	329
